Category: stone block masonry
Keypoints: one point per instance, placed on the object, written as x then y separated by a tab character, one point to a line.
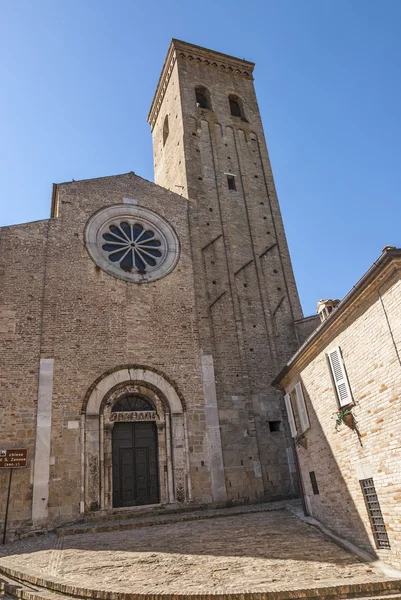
246	297
177	296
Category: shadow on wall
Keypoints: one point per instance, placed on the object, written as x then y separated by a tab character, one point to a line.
328	498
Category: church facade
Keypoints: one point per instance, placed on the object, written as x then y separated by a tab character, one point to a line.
142	324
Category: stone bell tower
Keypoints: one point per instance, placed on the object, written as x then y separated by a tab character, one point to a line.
209	146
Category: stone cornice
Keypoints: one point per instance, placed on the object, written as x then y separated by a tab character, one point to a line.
183	51
382	270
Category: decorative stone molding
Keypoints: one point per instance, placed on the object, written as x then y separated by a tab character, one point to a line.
182	51
97	427
132	243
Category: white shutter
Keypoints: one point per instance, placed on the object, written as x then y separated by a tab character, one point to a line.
290	414
301	406
339	376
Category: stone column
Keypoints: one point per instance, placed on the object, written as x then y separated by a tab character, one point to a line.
41	471
92	463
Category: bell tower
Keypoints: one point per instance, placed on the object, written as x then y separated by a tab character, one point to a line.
209	146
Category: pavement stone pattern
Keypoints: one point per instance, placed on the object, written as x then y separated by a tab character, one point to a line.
265	551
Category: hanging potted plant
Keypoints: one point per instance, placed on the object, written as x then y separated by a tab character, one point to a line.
345	416
300	441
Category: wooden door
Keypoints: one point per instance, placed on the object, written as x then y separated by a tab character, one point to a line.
135	477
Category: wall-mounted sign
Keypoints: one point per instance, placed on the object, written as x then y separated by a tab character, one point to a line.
134	415
15	458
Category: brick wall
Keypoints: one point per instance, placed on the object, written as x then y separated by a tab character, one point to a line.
369	335
245	290
56	303
22	272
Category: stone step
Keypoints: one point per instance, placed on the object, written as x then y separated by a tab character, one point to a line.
27	586
139	511
122	521
13	588
136	512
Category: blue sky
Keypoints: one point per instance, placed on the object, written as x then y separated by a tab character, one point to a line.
78	78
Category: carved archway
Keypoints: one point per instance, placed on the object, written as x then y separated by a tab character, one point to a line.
96	430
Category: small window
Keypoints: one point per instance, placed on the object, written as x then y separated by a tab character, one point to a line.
236	107
340	378
165	130
231	182
375	513
313	481
203	98
275	426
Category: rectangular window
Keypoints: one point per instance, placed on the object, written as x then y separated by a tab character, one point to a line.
231	182
301	407
375	513
313	482
340	378
275	425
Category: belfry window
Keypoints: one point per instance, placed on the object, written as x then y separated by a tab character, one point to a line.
203	98
236	107
165	129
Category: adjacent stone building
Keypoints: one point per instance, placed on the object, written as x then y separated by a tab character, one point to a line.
142	324
343	396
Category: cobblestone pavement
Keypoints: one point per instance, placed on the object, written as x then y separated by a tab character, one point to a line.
265	551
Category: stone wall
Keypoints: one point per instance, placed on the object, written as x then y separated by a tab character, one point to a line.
58	305
246	295
22	275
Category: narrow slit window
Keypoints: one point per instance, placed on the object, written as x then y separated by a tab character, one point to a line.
165	130
231	182
375	513
313	481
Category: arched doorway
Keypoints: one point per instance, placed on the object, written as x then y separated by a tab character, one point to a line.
98	422
134	452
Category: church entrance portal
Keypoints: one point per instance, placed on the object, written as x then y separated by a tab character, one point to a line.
134	442
134	453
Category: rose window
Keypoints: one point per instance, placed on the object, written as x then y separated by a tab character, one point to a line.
132	246
132	243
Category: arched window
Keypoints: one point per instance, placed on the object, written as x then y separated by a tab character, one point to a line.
131	402
165	129
236	109
203	98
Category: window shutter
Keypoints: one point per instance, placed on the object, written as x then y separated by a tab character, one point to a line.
290	414
339	376
301	406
